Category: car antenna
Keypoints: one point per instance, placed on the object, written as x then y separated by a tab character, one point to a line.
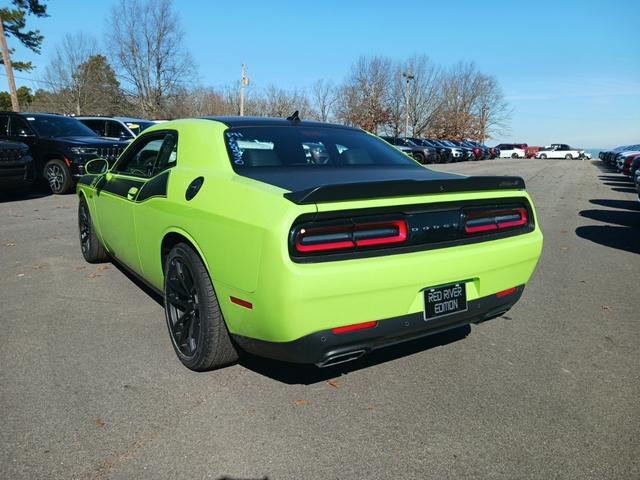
295	117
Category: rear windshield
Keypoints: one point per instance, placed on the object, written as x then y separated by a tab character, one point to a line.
301	146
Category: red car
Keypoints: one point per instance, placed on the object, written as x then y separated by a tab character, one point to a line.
626	166
530	152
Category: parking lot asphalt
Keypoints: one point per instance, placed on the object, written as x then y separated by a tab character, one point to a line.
91	388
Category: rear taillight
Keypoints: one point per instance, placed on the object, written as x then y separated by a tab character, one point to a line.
350	236
495	220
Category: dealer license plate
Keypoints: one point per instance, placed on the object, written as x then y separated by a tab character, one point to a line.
445	300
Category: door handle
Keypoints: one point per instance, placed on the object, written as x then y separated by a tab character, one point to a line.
131	194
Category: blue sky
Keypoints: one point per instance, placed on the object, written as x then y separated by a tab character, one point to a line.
570	69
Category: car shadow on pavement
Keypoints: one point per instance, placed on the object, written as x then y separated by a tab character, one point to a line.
38	191
620	183
143	286
614	178
309	374
621	204
617	217
623	235
624	190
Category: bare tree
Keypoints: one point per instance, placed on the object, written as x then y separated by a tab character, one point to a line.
425	98
148	49
277	102
80	80
491	110
396	102
364	96
323	95
456	116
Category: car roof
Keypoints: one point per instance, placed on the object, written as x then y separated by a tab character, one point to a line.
233	121
106	117
33	114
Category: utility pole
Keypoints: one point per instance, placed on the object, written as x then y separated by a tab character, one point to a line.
408	76
244	81
9	69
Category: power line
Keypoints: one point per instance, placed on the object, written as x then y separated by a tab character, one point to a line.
30	79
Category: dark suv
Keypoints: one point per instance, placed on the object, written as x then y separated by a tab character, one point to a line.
16	168
59	145
422	153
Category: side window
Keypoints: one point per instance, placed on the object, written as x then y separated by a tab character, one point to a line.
95	125
117	130
150	156
4	125
18	127
141	162
168	155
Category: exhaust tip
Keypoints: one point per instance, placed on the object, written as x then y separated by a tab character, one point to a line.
341	358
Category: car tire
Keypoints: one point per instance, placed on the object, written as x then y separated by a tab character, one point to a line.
57	176
419	157
514	155
196	326
568	157
92	249
543	156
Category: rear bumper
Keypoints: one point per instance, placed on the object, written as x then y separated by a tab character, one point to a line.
325	348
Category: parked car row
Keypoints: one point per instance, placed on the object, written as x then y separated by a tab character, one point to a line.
55	148
555	150
626	160
426	150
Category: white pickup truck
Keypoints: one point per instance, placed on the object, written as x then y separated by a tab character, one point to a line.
559	150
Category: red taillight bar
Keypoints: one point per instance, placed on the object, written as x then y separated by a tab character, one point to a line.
353	328
324	246
493	222
351	232
401	236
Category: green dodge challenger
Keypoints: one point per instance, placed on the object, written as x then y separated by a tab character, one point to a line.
302	241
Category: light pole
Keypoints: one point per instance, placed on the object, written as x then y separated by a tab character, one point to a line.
244	81
408	76
483	122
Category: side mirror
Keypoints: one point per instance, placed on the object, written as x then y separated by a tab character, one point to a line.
25	134
97	166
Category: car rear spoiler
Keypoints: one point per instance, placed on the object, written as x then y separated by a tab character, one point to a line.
401	188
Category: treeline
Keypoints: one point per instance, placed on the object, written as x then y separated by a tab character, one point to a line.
147	72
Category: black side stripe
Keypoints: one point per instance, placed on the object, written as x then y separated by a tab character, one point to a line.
119	186
87	179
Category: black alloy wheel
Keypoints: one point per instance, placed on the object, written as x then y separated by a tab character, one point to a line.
183	312
92	249
196	326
